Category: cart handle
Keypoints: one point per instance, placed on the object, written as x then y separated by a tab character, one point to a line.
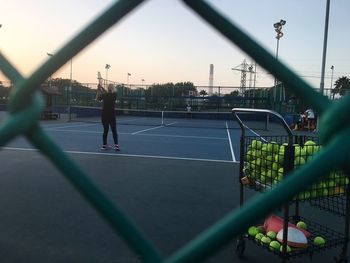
262	111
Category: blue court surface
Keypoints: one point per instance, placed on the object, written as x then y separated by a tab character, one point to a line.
174	182
147	141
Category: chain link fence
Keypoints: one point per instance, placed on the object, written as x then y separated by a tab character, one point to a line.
26	104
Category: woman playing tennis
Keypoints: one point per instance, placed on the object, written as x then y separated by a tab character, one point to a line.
108	115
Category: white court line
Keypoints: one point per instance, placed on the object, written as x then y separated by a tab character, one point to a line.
71	126
171	123
127	155
148	134
158	127
184	136
230	142
60	130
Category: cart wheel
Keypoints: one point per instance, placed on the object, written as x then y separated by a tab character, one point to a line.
240	247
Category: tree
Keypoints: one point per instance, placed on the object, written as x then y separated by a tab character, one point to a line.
233	93
203	93
341	86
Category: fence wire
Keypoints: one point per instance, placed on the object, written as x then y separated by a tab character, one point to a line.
26	104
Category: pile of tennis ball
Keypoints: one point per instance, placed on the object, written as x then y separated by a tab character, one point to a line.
264	164
269	238
266	238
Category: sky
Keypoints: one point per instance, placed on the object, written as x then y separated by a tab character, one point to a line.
163	41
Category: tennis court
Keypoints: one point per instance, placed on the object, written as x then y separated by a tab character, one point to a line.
173	181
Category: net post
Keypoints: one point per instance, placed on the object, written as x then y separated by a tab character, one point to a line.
69	113
162	117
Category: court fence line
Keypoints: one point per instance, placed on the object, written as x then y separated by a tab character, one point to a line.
26	103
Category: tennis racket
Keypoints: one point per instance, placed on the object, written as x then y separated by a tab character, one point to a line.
99	77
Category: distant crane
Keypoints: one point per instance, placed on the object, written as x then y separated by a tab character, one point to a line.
245	68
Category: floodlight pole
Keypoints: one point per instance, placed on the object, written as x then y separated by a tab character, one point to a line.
70	89
278	28
324	47
324	52
332	68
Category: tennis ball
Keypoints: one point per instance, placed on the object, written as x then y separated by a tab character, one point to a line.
252	231
299	161
252	164
297	149
301	152
304	195
263	150
283	147
302	225
258	236
319	241
256	144
271	234
271	174
263	179
274	245
279	158
269	160
275	166
272	147
265	240
258	161
322	192
336	177
344	180
309	142
331	184
249	156
309	147
280	171
288	249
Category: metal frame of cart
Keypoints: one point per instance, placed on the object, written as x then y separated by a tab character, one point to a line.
330	193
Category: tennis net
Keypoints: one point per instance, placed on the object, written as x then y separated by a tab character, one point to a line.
157	118
195	119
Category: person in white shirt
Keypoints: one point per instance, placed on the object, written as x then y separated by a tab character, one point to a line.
188	109
310	118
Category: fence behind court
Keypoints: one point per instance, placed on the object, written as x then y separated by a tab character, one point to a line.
26	105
